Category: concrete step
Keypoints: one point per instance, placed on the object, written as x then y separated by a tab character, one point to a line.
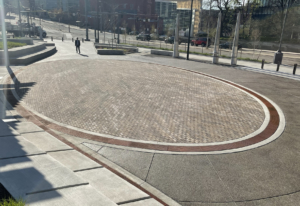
45	171
31	58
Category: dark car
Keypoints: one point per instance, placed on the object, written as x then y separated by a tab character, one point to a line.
170	40
228	45
200	41
143	37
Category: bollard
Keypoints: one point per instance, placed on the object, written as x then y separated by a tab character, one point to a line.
262	64
82	40
72	39
62	38
13	36
295	67
52	38
278	67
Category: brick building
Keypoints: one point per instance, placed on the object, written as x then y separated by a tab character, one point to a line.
137	15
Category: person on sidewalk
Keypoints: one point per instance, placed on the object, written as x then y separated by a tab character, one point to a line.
77	44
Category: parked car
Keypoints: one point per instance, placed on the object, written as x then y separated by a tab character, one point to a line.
133	33
228	45
162	37
200	41
143	37
170	40
153	36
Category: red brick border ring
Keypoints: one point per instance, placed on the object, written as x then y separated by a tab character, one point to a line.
271	132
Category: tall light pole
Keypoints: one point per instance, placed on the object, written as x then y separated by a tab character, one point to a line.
20	19
189	38
4	39
279	55
98	20
157	26
86	22
287	7
208	24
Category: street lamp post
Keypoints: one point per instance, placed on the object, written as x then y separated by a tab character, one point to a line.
279	55
4	39
86	22
157	26
98	20
20	20
189	38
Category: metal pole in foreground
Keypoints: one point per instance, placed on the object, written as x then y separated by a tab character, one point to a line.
189	39
86	22
4	39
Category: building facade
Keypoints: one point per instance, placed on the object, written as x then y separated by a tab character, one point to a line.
168	9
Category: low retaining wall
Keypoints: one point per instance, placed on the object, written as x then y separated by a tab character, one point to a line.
110	52
34	57
131	49
24	50
161	52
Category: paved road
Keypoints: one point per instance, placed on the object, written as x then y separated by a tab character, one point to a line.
268	175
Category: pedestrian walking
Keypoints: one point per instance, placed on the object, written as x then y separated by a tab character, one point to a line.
77	44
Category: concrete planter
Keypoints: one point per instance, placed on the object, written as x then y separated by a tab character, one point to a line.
161	52
24	50
110	52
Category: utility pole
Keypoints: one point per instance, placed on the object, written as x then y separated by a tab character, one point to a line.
287	7
20	19
86	22
208	24
189	38
157	26
98	21
118	28
4	39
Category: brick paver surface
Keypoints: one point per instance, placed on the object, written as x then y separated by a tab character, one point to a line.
139	101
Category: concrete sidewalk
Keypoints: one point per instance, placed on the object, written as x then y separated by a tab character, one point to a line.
284	70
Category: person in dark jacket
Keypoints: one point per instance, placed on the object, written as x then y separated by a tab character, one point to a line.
77	44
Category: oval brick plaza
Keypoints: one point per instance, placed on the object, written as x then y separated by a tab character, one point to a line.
147	105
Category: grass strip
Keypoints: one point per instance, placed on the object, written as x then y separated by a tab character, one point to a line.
11	45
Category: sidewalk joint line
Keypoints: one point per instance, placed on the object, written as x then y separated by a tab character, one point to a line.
221	179
57	188
149	167
134	200
92	168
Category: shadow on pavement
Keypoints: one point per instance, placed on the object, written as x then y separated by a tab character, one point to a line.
83	55
19	157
